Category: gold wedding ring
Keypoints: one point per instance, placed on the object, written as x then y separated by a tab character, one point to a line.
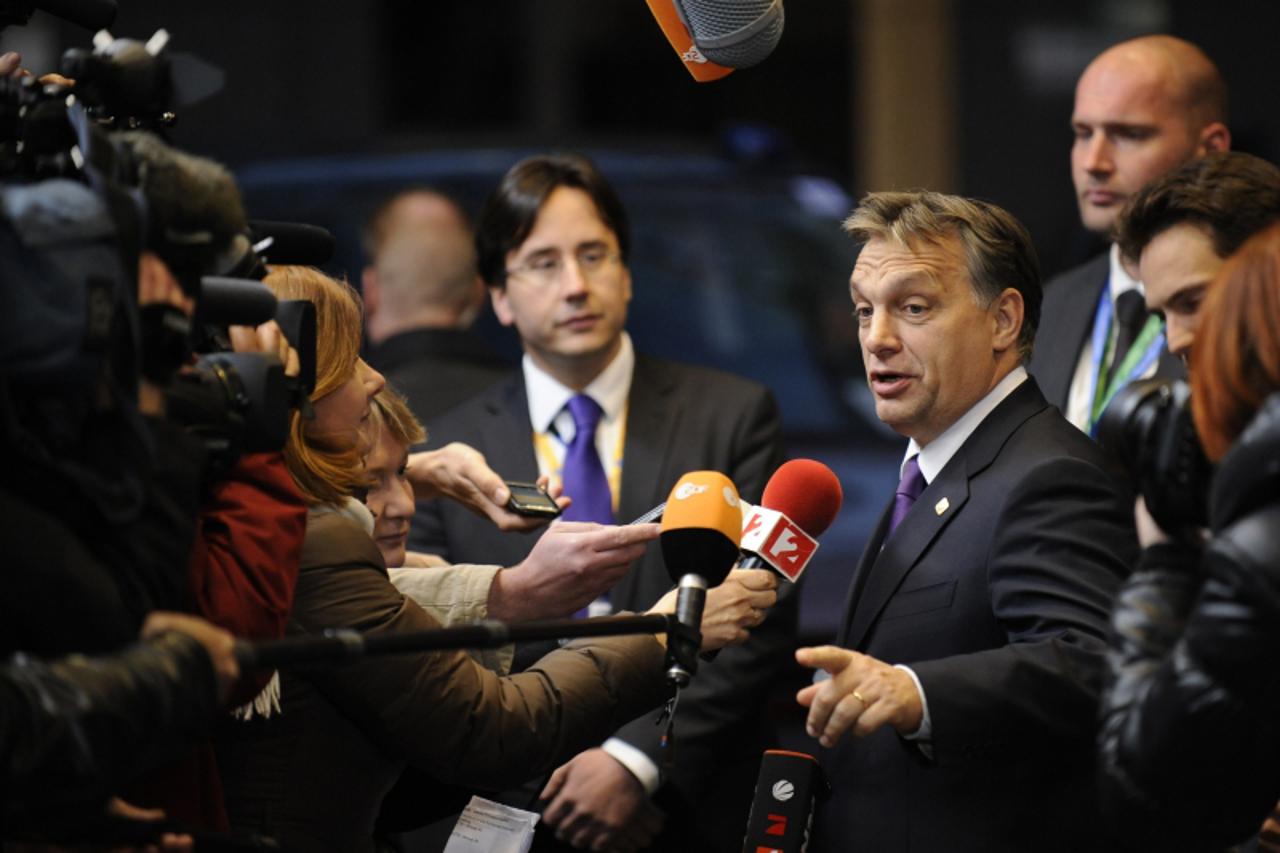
858	696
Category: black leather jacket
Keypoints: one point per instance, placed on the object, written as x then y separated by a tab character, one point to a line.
72	729
1190	737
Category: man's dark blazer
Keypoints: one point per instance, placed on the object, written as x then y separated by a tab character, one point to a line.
1066	322
680	418
436	369
995	589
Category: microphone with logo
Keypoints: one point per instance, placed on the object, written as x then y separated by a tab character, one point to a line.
701	526
713	37
787	789
800	501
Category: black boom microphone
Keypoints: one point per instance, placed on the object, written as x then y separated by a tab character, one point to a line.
787	790
338	645
293	243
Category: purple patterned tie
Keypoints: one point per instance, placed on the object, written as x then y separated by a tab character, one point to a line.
909	488
583	475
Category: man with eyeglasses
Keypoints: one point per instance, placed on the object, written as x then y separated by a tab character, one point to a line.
618	429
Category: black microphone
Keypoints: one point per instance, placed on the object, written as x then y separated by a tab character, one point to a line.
701	527
787	790
292	243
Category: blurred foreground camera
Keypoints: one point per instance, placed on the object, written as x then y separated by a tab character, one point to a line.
1148	426
238	403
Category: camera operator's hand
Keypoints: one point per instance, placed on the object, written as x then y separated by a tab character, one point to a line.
158	286
218	644
267	338
732	608
1149	533
568	568
11	65
1269	836
460	472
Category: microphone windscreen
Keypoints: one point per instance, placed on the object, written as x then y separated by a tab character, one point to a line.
293	243
733	33
807	492
671	20
701	527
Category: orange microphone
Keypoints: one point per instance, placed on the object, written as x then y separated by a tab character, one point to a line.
701	527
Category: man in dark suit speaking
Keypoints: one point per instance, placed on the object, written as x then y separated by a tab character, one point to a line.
961	707
618	429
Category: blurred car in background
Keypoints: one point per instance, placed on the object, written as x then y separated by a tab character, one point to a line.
740	267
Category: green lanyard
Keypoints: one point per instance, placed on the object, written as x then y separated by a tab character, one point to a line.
1137	353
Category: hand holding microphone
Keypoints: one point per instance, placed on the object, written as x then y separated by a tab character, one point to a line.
737	605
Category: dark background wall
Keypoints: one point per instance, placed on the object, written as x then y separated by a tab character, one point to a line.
324	76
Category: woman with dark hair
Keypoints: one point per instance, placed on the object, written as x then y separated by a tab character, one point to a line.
1190	738
313	771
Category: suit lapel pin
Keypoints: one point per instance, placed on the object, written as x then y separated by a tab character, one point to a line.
942	506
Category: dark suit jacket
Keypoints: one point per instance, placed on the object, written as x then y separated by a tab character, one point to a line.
680	419
998	599
1066	321
436	369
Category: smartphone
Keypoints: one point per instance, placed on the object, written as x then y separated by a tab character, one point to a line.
532	500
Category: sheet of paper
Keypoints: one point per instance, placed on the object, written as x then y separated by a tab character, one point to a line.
488	827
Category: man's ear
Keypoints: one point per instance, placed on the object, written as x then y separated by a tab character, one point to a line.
369	292
1213	138
471	303
501	305
1006	317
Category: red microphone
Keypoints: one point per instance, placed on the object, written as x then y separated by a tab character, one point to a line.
800	501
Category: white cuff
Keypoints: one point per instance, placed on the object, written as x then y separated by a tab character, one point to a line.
925	731
640	765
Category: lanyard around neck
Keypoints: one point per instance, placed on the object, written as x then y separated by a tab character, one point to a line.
1142	354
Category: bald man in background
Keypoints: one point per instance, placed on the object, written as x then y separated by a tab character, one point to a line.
422	294
1142	108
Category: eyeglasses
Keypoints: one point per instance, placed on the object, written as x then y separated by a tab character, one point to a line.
548	269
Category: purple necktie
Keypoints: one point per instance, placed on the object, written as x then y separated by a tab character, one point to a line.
583	474
909	488
584	478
